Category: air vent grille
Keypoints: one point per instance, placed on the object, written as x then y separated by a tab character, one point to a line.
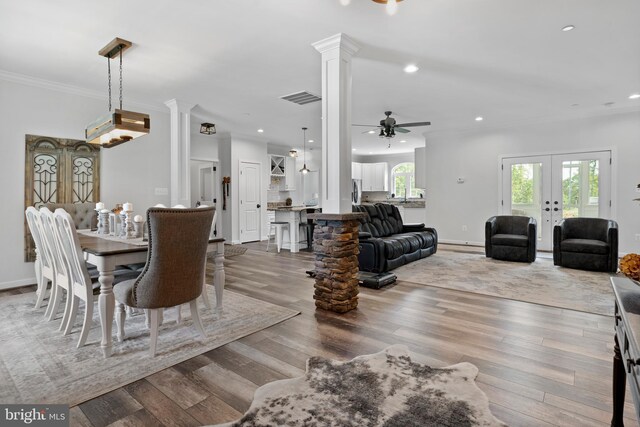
301	98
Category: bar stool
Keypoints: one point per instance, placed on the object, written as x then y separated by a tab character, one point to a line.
279	227
308	225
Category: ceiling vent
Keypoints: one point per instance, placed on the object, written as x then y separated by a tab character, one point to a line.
301	98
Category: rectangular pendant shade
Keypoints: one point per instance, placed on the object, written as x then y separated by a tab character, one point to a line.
117	127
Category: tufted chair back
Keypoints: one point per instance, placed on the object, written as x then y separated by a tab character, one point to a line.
83	214
174	272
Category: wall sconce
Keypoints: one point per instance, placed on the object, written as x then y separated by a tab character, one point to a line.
207	128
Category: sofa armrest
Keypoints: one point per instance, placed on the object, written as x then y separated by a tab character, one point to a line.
558	232
532	237
612	240
371	257
362	235
413	227
435	238
490	228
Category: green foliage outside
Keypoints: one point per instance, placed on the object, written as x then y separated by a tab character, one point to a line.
522	184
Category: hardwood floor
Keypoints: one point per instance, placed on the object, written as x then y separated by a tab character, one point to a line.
538	365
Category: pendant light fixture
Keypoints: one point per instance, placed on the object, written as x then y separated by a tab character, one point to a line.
304	169
117	126
207	128
293	153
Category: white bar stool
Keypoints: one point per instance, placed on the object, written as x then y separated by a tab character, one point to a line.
279	227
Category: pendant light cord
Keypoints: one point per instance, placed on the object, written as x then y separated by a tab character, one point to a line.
121	77
109	80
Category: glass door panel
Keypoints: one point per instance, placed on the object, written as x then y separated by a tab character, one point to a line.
580	189
526	191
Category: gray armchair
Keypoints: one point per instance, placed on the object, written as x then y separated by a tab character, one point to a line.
175	268
511	238
586	244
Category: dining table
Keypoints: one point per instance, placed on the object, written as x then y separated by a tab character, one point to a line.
107	253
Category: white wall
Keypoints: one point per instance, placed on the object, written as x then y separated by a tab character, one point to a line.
205	147
129	172
475	155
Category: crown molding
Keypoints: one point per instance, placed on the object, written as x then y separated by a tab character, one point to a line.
341	41
71	89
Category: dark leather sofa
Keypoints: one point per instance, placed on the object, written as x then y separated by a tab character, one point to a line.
586	244
386	243
511	238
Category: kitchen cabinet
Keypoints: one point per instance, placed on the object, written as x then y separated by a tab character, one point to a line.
356	170
290	174
420	170
374	177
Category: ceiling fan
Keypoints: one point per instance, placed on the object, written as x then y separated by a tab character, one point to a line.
388	126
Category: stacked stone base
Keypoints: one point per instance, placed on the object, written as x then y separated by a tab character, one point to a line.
335	244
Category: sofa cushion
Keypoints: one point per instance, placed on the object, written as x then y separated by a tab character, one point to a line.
510	240
394	248
414	241
584	246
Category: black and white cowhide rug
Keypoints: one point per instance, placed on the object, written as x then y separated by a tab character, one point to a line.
383	389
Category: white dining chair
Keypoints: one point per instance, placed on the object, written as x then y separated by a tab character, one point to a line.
60	283
43	265
82	287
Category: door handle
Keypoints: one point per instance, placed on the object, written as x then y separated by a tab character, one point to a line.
547	202
555	203
547	209
258	206
555	209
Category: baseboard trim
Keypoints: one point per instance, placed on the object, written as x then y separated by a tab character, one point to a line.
18	283
460	242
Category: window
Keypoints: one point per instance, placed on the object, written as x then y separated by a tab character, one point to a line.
403	181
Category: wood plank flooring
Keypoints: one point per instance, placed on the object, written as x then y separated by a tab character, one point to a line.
539	365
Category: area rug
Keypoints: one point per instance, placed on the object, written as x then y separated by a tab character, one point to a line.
539	282
39	365
234	250
383	389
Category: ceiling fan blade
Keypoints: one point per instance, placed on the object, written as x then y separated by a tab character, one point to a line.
401	130
407	125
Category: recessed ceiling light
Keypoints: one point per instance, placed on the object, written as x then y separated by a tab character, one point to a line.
568	28
260	130
634	96
479	119
372	131
370	152
353	149
403	141
311	141
411	68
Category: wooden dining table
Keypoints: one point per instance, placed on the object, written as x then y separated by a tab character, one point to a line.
107	254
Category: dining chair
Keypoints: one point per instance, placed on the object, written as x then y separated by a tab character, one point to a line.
60	283
81	286
175	269
43	265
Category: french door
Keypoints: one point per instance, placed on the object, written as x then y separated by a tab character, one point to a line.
553	187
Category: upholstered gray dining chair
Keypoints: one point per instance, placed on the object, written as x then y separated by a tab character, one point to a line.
175	269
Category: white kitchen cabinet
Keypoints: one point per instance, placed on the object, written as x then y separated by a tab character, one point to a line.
420	170
374	177
356	170
277	165
290	174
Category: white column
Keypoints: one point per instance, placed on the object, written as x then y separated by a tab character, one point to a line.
336	52
180	152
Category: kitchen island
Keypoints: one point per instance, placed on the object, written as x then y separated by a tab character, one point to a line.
291	214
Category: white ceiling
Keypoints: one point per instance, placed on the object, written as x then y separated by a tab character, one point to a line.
506	60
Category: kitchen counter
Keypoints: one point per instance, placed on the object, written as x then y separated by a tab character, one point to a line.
290	208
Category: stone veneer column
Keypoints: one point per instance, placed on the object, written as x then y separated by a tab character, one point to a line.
335	243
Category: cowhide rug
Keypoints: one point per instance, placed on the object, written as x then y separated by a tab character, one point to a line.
383	389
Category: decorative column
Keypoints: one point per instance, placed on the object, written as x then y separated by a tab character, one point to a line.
335	238
180	152
336	52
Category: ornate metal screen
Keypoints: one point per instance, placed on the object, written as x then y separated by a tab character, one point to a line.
59	171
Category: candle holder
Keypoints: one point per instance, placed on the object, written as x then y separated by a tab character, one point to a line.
123	227
103	223
137	225
129	230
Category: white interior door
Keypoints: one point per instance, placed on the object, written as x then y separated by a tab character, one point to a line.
551	188
250	202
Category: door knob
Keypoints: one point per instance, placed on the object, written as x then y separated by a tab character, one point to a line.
555	203
547	202
547	209
259	206
555	209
